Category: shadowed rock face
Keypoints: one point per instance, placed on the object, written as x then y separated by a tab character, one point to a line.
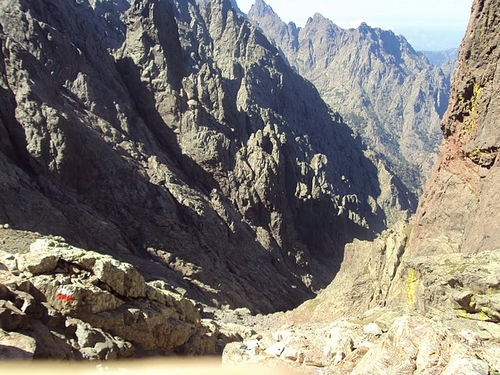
172	135
389	93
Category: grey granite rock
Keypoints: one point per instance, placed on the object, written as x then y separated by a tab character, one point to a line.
389	93
79	311
173	136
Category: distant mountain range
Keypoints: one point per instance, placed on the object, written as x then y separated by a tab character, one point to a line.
442	57
392	95
446	60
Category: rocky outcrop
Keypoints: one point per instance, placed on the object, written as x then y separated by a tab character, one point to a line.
305	349
389	93
453	284
365	278
173	131
379	273
58	301
459	211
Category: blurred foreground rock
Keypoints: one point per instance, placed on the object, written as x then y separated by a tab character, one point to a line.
390	343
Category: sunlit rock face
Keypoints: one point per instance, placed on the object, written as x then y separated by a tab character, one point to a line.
460	209
431	284
388	92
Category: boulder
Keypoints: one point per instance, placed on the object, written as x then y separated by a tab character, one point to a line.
37	262
96	344
82	304
122	278
304	348
8	261
372	329
415	344
11	318
276	349
16	346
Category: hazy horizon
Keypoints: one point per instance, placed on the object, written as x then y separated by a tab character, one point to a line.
432	25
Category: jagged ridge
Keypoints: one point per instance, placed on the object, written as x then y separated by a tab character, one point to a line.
387	91
173	131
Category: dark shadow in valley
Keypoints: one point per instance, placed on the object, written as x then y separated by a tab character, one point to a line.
297	108
100	198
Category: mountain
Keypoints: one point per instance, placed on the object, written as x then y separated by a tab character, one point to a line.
442	263
423	297
389	93
173	139
173	136
446	60
441	57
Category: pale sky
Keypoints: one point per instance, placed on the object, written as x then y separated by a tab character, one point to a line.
427	24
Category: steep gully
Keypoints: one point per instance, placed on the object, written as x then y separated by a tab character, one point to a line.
174	133
177	158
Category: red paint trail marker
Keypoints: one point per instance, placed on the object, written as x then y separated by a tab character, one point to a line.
65	295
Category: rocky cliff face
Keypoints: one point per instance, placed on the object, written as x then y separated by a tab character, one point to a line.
424	296
173	131
459	211
386	91
443	261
